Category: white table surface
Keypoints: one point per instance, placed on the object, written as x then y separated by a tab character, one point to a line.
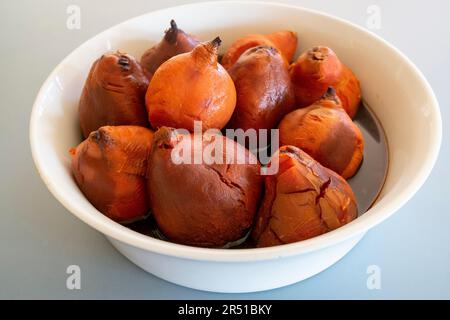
39	238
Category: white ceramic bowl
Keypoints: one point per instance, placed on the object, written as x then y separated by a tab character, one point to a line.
394	88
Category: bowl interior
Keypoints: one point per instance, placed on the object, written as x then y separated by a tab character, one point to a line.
393	88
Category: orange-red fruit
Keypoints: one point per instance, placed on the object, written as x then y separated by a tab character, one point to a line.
114	94
110	167
207	205
325	132
349	91
191	87
175	42
284	41
301	201
318	69
263	87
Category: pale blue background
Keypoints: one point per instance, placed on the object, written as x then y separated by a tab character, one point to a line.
39	238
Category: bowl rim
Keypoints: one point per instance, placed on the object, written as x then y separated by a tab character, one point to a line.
118	232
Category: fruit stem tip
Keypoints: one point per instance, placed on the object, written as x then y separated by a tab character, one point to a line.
172	32
173	25
216	42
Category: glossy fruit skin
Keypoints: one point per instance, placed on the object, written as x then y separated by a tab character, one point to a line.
110	167
113	94
205	205
318	69
263	87
191	87
326	133
284	41
174	42
349	91
301	201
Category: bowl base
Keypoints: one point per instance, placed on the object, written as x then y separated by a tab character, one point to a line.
236	277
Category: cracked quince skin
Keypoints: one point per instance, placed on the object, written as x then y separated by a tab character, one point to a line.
301	201
206	205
